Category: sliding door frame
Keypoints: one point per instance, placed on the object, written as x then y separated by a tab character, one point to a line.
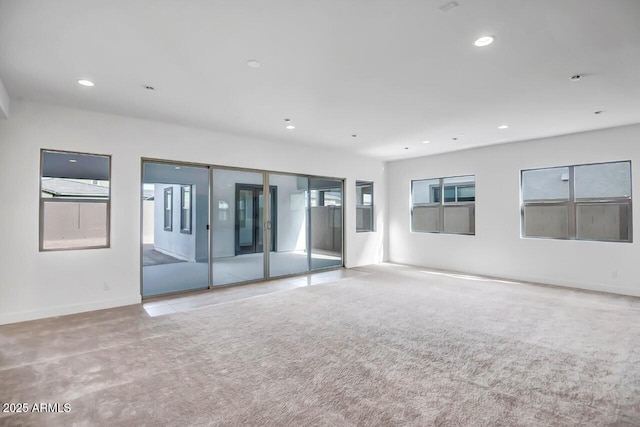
144	160
268	221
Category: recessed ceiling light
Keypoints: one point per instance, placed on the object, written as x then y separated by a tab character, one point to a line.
73	161
598	112
576	77
88	83
426	142
484	41
252	63
503	126
406	148
354	135
289	125
447	7
148	87
177	168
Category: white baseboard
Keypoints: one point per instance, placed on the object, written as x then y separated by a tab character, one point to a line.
6	318
595	287
172	254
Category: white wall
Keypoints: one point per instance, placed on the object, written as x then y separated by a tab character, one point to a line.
497	249
38	284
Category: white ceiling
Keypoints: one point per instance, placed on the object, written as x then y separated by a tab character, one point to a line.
394	72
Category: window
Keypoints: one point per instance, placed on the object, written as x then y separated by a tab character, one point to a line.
582	202
74	200
364	206
168	209
454	213
185	209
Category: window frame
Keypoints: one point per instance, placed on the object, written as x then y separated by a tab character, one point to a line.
43	200
167	191
370	207
441	204
572	204
183	188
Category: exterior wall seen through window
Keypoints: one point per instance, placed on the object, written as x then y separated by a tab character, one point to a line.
581	202
364	206
453	214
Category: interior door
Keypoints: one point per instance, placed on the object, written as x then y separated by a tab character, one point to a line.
250	219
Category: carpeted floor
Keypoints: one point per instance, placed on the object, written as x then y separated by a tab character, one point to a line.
397	346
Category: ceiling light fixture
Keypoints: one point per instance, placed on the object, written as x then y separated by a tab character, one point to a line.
87	83
447	7
73	161
354	135
426	142
503	126
289	125
252	63
148	87
484	41
597	112
575	77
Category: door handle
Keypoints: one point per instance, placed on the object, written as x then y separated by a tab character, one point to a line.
267	225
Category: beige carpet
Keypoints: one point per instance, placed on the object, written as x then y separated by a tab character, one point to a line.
397	346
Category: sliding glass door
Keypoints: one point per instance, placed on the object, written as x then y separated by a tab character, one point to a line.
238	226
206	226
291	220
175	233
326	222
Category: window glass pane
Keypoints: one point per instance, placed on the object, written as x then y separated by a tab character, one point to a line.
425	219
364	206
449	193
185	209
364	193
460	189
75	200
290	251
70	224
425	191
545	184
460	219
326	223
603	180
546	221
467	193
59	164
168	208
239	226
364	218
603	221
331	198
